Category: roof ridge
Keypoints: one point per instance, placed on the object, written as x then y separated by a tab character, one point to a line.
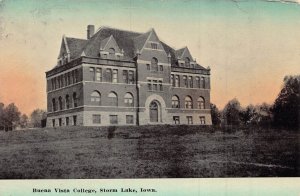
108	27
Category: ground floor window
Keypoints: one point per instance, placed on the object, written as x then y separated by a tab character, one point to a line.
202	120
176	120
113	119
53	122
67	121
129	119
189	120
74	120
97	119
59	122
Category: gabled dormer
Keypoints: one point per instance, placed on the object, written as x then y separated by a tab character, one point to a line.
64	53
109	49
184	58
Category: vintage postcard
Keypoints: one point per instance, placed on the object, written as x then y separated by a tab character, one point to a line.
149	97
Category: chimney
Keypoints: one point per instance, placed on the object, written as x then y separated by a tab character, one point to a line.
90	31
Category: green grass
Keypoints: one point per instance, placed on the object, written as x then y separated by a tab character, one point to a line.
148	152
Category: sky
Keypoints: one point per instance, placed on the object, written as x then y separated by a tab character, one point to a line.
250	45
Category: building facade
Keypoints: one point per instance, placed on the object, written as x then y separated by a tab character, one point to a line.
117	77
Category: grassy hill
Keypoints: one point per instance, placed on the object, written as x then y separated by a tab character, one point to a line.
148	152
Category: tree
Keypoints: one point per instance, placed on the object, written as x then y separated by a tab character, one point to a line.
36	117
231	112
286	107
215	115
24	121
1	116
263	114
248	115
11	116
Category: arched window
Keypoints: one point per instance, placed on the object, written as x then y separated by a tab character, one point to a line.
128	99
96	98
188	102
200	103
67	101
175	102
75	100
60	103
154	65
53	105
177	81
202	82
111	51
113	99
187	62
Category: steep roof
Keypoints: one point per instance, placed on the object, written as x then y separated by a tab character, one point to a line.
75	46
129	41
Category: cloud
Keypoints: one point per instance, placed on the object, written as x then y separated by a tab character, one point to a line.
285	1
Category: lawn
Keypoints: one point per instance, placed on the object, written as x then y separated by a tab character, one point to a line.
148	152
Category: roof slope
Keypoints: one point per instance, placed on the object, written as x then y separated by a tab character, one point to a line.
75	46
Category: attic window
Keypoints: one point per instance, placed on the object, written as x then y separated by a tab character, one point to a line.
111	51
154	46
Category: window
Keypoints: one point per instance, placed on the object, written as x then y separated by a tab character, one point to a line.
76	75
75	100
125	76
129	119
161	68
67	121
60	103
113	99
191	81
113	119
176	120
53	122
202	82
66	79
188	102
149	85
58	80
200	103
155	85
115	76
67	101
175	102
53	83
177	81
154	46
172	80
62	80
182	64
99	74
111	51
187	62
59	122
154	65
96	119
202	120
69	78
128	99
74	120
185	82
96	98
160	85
148	67
131	77
189	120
198	82
53	105
108	75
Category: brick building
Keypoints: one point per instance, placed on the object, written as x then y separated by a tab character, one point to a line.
118	77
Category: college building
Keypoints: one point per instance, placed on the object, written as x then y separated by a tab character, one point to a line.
119	77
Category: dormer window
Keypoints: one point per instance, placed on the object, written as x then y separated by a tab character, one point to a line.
187	62
111	52
154	46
